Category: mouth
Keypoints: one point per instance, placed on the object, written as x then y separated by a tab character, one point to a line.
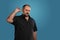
27	14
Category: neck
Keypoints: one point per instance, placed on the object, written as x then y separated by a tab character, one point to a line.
27	18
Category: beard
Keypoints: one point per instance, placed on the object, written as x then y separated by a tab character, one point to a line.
27	14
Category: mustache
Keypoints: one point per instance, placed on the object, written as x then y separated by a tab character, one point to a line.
27	13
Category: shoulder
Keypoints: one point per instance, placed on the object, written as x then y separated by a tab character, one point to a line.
32	19
16	17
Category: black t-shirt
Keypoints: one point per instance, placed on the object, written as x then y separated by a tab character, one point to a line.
24	29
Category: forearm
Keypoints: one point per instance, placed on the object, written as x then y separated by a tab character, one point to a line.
34	36
12	15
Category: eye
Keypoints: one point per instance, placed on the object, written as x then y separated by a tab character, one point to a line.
27	10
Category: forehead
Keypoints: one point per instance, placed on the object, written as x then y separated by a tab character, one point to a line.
27	7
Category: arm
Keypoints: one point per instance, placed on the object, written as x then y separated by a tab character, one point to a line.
34	35
12	15
34	30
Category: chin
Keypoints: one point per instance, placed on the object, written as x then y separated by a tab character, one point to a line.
26	15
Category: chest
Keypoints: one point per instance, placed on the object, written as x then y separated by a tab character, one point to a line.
24	25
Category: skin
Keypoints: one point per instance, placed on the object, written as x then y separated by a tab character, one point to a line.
26	12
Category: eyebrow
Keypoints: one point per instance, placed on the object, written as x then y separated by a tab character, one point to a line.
27	10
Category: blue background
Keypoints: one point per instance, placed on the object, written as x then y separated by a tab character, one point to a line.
45	12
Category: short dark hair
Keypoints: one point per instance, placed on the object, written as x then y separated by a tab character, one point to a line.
26	5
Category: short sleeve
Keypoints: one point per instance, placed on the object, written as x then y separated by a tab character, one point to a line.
14	20
35	27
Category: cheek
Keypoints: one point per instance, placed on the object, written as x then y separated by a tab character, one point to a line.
25	11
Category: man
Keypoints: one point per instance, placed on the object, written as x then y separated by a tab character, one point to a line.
25	26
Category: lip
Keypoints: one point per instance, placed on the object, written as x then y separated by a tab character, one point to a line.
27	13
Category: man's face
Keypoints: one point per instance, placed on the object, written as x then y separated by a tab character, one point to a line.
26	10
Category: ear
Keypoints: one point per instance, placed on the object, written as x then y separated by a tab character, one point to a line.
22	10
